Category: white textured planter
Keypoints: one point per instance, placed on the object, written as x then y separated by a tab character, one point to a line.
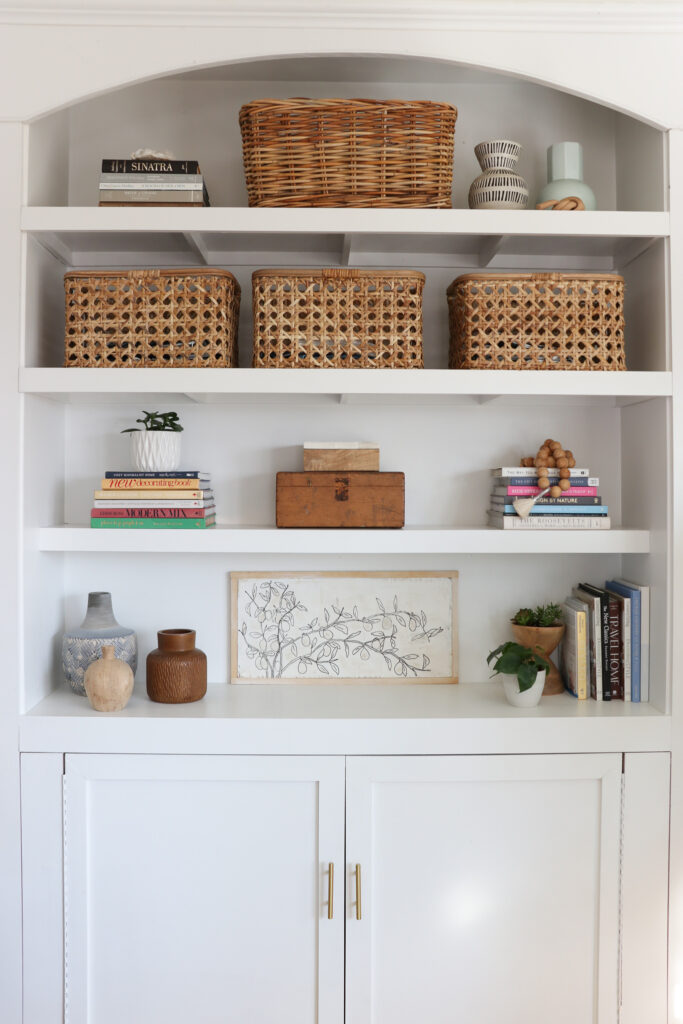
155	451
528	698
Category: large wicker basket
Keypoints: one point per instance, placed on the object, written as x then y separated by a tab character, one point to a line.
537	322
333	152
338	317
151	318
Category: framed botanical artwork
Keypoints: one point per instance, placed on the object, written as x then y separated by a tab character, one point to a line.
344	627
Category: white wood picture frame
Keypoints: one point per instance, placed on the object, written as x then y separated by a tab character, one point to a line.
344	627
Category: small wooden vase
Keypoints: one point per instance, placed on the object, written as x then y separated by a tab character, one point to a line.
176	670
547	638
108	682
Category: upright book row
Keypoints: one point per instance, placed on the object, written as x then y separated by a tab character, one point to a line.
605	649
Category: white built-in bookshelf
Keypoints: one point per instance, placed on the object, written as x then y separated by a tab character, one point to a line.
443	428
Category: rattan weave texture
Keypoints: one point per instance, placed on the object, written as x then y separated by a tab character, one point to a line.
338	318
348	152
173	317
537	322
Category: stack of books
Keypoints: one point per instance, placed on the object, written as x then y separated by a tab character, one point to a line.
152	182
579	507
178	500
605	651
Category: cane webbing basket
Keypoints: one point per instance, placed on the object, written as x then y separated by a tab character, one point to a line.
334	152
338	317
151	318
537	322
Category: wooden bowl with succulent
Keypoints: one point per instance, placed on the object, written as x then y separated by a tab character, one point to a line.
541	627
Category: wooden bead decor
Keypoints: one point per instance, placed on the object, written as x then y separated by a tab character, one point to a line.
537	322
348	152
568	203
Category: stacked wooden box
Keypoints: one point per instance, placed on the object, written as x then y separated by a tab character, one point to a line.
341	487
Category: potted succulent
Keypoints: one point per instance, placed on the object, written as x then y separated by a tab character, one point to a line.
523	671
541	627
155	446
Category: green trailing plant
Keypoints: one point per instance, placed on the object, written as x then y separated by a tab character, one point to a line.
542	615
512	659
157	421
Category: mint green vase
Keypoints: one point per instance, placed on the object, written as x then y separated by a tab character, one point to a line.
565	175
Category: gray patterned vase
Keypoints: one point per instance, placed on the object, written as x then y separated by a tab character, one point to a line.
82	646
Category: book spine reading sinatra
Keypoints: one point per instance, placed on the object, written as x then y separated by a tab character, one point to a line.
150	165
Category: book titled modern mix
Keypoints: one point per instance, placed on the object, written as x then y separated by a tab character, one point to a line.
605	651
177	500
580	506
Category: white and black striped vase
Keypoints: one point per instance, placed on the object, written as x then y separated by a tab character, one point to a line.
500	187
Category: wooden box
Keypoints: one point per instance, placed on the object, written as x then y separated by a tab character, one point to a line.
333	456
338	500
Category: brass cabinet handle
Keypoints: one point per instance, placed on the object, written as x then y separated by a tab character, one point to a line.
358	894
330	893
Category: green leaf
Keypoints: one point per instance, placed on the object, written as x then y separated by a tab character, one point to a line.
526	674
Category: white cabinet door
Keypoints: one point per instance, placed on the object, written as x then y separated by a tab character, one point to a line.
490	889
196	889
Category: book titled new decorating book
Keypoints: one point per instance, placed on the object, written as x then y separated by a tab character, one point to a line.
119	523
155	483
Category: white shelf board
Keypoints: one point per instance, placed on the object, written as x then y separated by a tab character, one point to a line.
74	384
469	718
408	541
132	236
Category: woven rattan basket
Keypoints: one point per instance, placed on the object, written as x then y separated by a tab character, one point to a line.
537	322
151	318
333	152
338	317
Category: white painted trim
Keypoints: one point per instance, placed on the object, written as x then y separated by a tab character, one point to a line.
622	16
42	866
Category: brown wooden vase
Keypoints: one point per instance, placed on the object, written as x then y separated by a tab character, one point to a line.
547	638
176	670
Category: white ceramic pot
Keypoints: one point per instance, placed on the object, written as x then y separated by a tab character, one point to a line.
528	698
155	451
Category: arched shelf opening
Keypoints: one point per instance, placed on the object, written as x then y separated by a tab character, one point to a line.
194	114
